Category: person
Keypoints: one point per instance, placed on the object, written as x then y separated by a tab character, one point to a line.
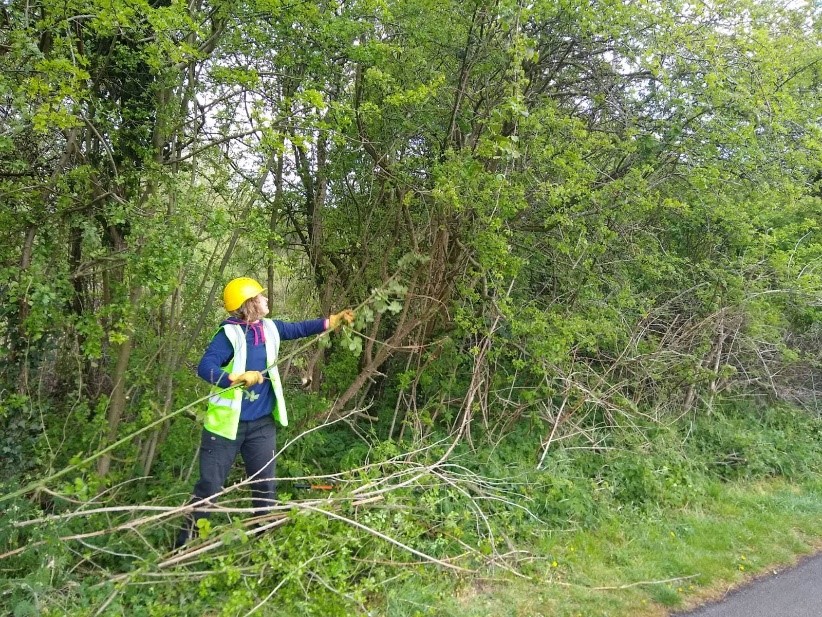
241	420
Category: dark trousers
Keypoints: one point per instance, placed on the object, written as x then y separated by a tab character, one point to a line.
256	441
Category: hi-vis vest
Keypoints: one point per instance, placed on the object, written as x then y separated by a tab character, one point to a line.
223	413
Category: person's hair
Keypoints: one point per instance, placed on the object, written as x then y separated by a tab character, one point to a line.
250	310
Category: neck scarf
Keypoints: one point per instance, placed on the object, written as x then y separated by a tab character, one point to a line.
256	327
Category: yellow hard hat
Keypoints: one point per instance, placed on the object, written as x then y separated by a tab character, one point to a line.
238	291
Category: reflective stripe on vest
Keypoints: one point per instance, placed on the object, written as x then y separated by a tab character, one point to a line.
223	413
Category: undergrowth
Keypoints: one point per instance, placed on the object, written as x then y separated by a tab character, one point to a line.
407	532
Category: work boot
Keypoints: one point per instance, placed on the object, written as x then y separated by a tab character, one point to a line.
186	532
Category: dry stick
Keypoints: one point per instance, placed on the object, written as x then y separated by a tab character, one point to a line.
131	524
628	585
389	539
211	546
553	432
349	597
108	601
269	596
16	551
283	582
400	397
76	513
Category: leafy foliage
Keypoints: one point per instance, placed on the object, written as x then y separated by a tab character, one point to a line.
583	242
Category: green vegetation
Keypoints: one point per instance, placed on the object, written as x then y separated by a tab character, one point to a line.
584	245
662	561
625	529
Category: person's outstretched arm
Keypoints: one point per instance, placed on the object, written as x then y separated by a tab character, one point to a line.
299	329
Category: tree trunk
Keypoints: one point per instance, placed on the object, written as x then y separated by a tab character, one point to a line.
274	223
18	355
117	403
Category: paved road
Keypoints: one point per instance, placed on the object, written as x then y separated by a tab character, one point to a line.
793	593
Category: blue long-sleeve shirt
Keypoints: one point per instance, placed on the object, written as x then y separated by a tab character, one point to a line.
258	401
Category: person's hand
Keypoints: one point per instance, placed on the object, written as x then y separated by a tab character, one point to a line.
336	320
249	378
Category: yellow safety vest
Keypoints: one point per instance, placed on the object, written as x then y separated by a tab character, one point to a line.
223	413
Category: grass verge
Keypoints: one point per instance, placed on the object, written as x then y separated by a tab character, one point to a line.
649	565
